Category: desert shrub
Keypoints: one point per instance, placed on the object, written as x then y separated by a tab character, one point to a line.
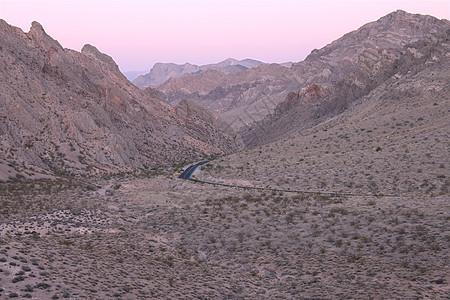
91	187
42	285
18	278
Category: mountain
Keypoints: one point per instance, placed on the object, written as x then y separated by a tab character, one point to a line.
132	75
201	83
247	97
164	71
377	72
247	63
225	93
64	111
160	72
382	129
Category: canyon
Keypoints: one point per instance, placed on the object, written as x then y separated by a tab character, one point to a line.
91	206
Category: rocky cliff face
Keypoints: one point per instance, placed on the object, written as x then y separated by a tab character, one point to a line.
62	111
244	98
377	71
165	71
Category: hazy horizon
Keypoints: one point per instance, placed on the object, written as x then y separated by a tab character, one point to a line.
137	34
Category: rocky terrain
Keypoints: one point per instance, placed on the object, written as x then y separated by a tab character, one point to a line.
225	90
161	72
65	112
379	127
392	140
378	73
158	237
247	97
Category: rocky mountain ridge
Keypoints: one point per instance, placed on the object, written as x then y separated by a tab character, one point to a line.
161	72
247	97
374	69
66	112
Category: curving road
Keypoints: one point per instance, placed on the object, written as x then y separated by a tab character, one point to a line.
189	170
186	175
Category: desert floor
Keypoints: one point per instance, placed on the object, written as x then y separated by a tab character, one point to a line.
156	236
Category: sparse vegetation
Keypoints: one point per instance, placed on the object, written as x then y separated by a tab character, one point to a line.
133	230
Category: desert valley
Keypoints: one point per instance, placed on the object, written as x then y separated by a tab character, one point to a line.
91	206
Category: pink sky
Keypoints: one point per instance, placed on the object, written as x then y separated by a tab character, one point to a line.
138	33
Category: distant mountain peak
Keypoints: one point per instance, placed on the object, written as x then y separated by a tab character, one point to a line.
162	72
231	61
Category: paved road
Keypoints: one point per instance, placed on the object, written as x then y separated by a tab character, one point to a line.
188	173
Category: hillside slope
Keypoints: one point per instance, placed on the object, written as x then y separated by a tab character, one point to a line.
318	102
389	138
68	112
